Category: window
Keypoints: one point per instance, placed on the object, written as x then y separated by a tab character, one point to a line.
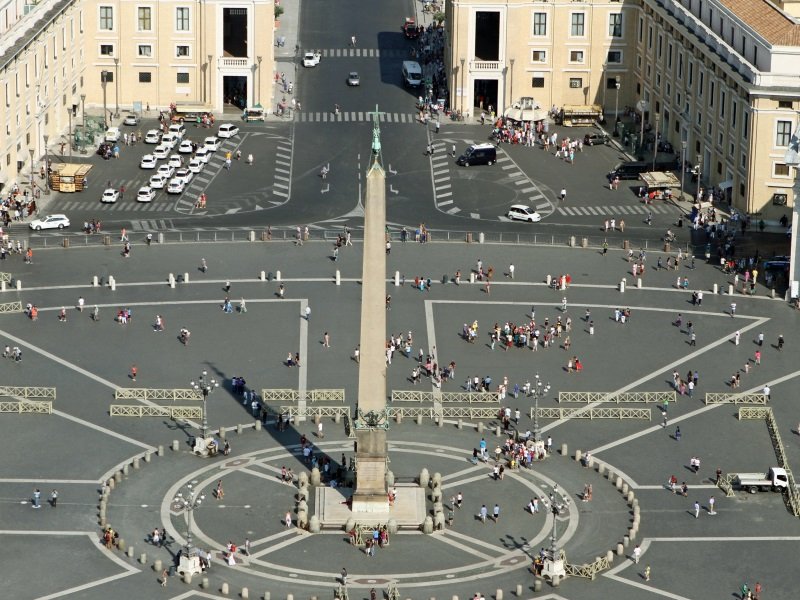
615	25
722	99
537	82
106	49
145	77
577	27
783	133
745	123
784	104
680	66
575	82
734	108
611	83
106	76
660	46
181	51
538	56
711	89
539	24
641	29
614	57
650	37
182	18
691	73
781	170
145	18
107	18
144	50
183	78
669	56
576	56
700	84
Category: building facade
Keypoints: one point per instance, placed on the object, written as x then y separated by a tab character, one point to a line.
720	76
41	81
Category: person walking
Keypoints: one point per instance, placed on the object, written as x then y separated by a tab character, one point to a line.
164	577
308	313
343	577
780	343
766	391
483	514
54	498
696	509
711	502
563	195
37	495
326	340
647	573
678	434
637	554
134	371
320	433
496	513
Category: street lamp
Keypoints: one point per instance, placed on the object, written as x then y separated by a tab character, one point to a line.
46	138
69	137
104	81
205	386
538	391
511	85
208	76
699	167
30	151
189	560
83	133
683	165
617	84
553	564
655	142
259	58
116	87
462	86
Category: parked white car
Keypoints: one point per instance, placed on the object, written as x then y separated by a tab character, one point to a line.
158	181
109	196
203	154
175	161
167	170
50	222
311	59
186	147
148	162
195	165
212	143
177	130
227	130
521	212
169	139
153	136
175	186
185	175
145	194
112	134
161	151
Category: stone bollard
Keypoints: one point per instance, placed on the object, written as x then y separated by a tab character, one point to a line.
639	282
302	479
438	506
438	520
267	596
498	594
578	455
2	286
257	425
131	551
148	456
95	281
610	475
392	526
419	419
315	476
289	596
424	478
245	593
622	286
730	290
160	451
126	469
436	480
460	424
204	583
633	532
398	417
472	277
338	277
302	519
519	590
630	497
112	483
537	585
314	526
337	418
548	280
427	525
556	581
564	449
122	545
389	478
626	541
625	488
277	275
136	463
481	427
497	431
618	483
186	278
221	433
224	589
302	494
715	289
302	505
157	566
239	429
118	476
171	280
620	550
143	558
103	522
397	279
440	421
187	578
610	557
112	283
176	445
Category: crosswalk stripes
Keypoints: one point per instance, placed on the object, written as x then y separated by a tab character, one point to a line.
604	211
361	52
353	117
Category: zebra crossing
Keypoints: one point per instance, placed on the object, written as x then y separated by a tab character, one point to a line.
353	117
610	211
362	52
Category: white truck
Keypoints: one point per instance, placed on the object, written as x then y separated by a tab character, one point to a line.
775	479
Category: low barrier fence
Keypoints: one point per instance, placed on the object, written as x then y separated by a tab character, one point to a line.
589	570
284	395
625	397
445	397
27	406
594	412
170	412
28	391
157	394
11	307
744	398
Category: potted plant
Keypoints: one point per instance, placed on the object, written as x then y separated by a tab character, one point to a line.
278	13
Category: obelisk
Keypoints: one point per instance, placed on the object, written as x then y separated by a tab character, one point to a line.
371	423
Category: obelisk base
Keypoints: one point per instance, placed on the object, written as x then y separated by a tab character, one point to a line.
370	494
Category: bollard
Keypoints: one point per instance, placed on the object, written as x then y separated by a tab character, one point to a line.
160	451
472	277
497	431
136	463
257	425
112	283
584	242
102	522
239	429
221	433
176	445
111	483
498	594
633	532
630	496
262	276
245	592
126	469
224	589
639	282
440	421
460	424
118	476
187	576
730	290
772	293
267	596
572	241
427	525
436	498
564	450
625	488
519	590
424	478
480	427
338	277
398	417
277	275
131	551
396	278
19	284
419	419
622	286
143	558
186	278
204	583
302	479
578	456
171	280
618	483
157	566
251	235
2	286
620	549
94	281
556	581
610	475
315	476
302	505
122	545
392	526
389	478
610	557
715	289
548	280
626	541
148	456
481	237
537	585
601	468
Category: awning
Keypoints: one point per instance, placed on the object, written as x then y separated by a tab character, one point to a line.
726	185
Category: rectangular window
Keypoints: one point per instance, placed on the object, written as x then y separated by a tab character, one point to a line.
615	25
106	49
145	77
182	51
575	82
538	56
183	78
641	29
785	104
660	46
577	25
691	73
680	66
650	37
781	170
182	18
540	24
537	82
614	57
576	56
106	76
144	51
611	83
745	123
711	90
722	99
700	83
669	56
145	18
107	18
783	133
734	108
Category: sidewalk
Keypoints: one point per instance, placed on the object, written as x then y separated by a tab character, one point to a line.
287	53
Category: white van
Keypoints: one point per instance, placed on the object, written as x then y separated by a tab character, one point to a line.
412	73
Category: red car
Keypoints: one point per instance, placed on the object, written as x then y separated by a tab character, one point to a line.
410	28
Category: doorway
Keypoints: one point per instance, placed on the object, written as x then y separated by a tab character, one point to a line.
234	90
485	95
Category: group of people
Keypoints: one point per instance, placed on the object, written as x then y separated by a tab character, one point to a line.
17	205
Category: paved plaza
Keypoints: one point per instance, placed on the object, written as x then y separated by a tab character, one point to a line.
78	447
